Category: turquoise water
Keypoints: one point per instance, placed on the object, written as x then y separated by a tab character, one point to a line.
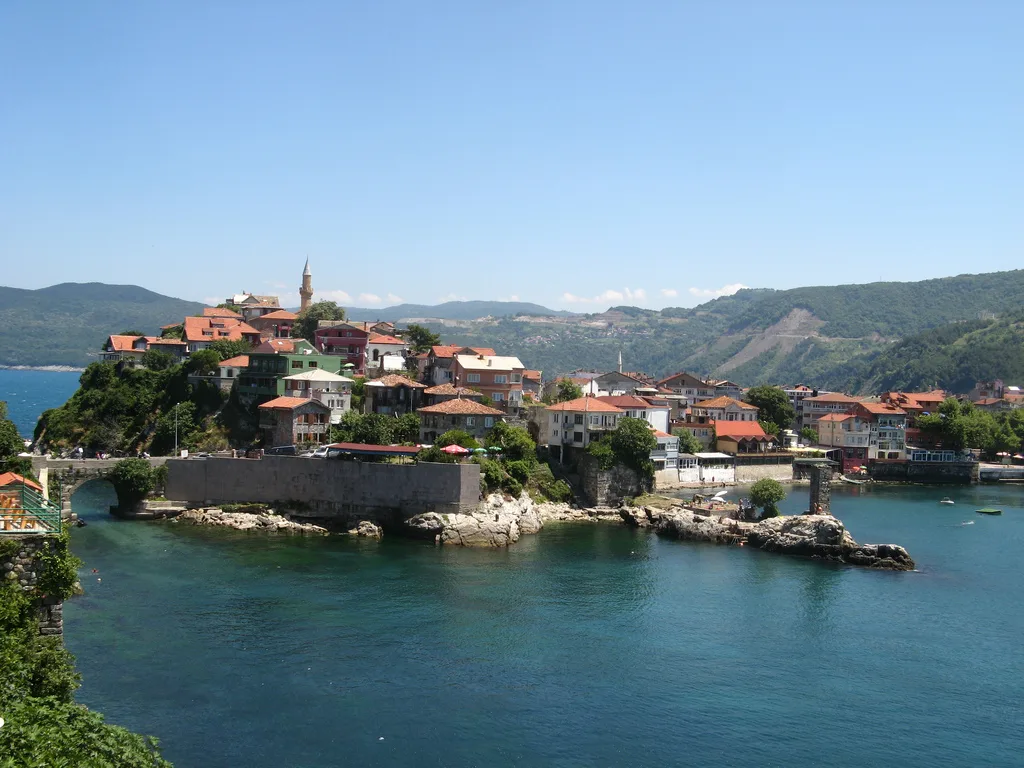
29	393
581	646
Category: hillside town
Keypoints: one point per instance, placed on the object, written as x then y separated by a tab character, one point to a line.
706	431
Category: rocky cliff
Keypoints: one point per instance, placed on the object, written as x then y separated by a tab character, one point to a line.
821	537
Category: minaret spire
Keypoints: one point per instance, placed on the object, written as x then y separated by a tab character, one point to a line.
306	291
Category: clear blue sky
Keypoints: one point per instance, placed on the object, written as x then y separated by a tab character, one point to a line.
576	154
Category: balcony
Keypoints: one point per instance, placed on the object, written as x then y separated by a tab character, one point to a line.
25	511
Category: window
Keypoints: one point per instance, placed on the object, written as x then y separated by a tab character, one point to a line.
578	418
497	396
554	418
312	363
376	354
471	421
500	378
577	437
296	363
488	421
517	378
473	378
595	420
554	433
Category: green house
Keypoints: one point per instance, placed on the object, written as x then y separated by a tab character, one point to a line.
274	359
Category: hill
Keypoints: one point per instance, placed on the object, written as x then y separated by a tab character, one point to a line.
66	324
814	335
453	310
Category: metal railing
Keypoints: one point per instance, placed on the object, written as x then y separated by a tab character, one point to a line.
25	511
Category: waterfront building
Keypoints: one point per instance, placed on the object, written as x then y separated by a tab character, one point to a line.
471	416
577	423
392	395
498	377
200	332
654	412
738	437
294	420
331	389
813	408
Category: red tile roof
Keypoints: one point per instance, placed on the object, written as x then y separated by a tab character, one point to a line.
832	397
724	402
379	338
220	312
124	343
219	328
585	404
276	347
449	350
461	407
738	429
989	401
278	314
394	380
10	478
836	417
238	361
532	375
451	389
882	409
290	403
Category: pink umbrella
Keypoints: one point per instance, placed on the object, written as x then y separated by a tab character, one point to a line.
455	450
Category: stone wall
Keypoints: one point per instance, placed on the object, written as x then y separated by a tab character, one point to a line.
21	566
960	472
332	491
607	488
750	473
820	502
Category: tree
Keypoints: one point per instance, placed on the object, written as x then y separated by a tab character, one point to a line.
407	428
132	332
228	349
157	360
369	428
308	321
173	332
203	362
420	338
11	443
770	428
688	443
567	390
809	435
456	437
133	479
515	442
632	442
773	404
766	494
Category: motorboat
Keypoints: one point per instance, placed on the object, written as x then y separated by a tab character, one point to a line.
989	511
946	500
854	481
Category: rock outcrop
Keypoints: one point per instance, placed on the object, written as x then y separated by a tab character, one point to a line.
499	522
366	529
821	537
247	521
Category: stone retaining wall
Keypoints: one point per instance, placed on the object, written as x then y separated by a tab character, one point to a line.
23	566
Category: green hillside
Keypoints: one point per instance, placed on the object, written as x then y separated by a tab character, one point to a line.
453	310
66	324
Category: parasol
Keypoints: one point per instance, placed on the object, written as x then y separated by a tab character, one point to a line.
455	450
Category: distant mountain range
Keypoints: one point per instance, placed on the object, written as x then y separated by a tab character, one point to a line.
454	310
67	324
948	331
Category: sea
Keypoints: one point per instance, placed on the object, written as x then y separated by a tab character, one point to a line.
584	645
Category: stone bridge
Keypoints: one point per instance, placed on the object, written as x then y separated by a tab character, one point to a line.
65	476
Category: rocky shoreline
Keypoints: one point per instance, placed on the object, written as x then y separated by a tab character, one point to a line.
501	520
819	537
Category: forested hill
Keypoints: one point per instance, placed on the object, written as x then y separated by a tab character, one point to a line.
952	357
453	310
812	335
66	324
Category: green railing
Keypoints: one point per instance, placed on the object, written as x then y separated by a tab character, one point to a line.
25	511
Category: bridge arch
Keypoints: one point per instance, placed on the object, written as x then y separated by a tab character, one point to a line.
63	477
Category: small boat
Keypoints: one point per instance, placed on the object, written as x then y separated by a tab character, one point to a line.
946	500
989	511
853	481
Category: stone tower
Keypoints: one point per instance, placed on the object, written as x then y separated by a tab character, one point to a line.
306	291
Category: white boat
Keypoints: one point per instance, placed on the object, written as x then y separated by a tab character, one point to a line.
946	500
853	481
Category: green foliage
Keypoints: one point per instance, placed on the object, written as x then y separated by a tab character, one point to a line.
11	443
435	454
226	349
133	479
358	392
770	427
519	470
567	390
156	360
766	494
687	442
203	362
773	407
407	428
172	332
456	437
421	339
632	442
543	481
58	568
515	442
308	321
131	332
809	436
602	451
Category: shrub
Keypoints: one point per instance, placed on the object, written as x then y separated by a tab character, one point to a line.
766	494
133	479
602	451
518	469
456	437
435	454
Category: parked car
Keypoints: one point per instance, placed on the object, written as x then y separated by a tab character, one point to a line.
281	450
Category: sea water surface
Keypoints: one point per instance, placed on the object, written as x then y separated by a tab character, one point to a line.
585	645
29	393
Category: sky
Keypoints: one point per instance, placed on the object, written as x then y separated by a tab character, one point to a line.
574	154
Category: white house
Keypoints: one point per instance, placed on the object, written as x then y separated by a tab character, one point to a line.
656	414
577	423
330	389
381	345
